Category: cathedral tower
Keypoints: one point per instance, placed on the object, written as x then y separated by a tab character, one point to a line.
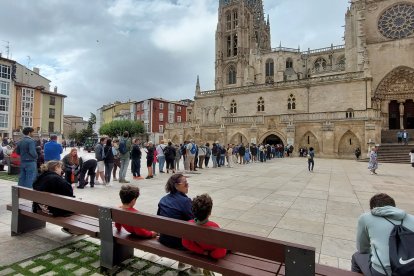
242	31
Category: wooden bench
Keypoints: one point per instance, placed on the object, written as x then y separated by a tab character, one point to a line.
249	255
84	221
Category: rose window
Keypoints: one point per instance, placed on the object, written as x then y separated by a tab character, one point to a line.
397	21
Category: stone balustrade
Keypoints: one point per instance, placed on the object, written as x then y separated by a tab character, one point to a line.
242	120
331	116
285	84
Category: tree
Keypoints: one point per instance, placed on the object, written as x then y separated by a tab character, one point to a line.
91	122
117	128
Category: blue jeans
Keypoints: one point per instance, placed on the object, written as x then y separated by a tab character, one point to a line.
28	174
124	168
161	161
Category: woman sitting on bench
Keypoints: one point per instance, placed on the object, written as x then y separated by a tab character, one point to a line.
51	181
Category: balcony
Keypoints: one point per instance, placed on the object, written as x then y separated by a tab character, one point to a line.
328	69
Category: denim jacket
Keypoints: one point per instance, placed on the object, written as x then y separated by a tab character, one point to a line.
26	148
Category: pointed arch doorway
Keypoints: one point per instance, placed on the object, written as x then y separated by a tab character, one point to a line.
273	139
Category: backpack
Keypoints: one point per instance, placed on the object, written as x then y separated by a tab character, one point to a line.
122	147
193	149
401	250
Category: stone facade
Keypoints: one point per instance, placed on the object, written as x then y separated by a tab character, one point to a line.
333	99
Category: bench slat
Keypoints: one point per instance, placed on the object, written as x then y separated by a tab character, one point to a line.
70	204
67	222
236	241
224	266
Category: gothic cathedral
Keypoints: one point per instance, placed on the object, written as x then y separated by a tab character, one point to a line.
333	99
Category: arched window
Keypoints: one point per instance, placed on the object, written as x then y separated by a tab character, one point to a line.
233	107
320	64
270	67
235	19
235	45
291	102
269	71
350	113
232	73
289	63
228	46
228	21
260	104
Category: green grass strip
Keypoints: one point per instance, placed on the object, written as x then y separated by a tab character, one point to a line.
82	258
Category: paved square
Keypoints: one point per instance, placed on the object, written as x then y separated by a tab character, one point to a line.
279	199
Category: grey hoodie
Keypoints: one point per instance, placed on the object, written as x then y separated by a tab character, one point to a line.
374	231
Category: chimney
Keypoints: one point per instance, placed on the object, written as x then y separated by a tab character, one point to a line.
36	70
55	89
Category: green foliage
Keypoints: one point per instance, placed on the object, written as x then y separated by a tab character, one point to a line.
117	128
91	122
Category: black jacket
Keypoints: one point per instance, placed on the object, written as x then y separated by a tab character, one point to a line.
53	183
109	156
136	152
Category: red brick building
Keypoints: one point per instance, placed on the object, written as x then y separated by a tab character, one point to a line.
155	113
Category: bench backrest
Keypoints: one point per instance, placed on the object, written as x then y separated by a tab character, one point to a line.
62	202
266	248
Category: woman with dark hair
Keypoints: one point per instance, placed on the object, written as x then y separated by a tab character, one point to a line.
72	164
108	161
175	205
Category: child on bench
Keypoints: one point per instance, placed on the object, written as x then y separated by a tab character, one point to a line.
201	207
129	195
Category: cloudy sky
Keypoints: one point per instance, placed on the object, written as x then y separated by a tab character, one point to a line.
99	51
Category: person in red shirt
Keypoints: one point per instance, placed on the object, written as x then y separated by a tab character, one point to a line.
129	195
201	207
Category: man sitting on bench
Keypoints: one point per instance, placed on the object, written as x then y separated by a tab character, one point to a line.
51	181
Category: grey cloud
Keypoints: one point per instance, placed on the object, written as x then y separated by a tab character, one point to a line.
97	51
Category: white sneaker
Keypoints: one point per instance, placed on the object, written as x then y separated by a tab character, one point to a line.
108	184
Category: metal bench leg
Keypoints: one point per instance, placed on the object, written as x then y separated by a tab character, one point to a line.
112	254
299	262
21	223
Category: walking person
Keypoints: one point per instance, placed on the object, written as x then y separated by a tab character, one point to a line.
26	148
136	160
357	153
99	156
412	157
124	151
214	153
399	137
117	161
405	137
108	161
373	161
311	156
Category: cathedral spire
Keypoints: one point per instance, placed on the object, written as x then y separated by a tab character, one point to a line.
197	91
